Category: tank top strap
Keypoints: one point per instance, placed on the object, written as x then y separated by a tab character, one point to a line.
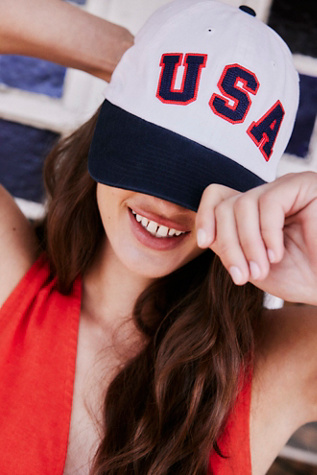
38	334
234	442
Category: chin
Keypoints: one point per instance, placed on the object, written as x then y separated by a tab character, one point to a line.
155	267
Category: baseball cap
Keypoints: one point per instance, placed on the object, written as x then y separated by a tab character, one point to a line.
207	94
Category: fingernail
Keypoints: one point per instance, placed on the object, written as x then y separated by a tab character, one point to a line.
254	270
201	238
271	256
235	274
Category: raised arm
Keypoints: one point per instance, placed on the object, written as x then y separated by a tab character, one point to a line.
268	236
18	245
62	33
56	31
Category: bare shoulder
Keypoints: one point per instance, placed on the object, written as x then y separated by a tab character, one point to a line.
284	393
287	356
288	337
18	245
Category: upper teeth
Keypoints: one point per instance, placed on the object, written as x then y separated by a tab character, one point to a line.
156	229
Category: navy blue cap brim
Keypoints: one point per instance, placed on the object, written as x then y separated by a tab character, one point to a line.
131	153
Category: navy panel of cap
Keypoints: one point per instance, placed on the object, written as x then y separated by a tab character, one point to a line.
131	153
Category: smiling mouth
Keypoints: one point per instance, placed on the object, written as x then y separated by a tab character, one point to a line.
156	229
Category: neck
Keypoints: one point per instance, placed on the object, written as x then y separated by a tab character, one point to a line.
110	290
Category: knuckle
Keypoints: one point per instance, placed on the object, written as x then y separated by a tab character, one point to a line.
243	203
250	243
209	198
225	250
267	200
254	250
218	191
223	209
267	232
211	189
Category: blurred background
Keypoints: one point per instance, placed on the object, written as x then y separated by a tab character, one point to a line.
40	101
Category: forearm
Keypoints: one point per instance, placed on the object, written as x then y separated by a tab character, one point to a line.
62	33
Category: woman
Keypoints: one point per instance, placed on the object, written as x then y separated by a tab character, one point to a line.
127	347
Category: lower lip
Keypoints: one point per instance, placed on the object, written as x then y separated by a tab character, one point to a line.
153	242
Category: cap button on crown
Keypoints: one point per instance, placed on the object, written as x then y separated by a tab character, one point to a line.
247	9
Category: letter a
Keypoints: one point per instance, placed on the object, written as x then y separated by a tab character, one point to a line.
264	132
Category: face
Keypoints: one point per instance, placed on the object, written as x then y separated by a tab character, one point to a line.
151	237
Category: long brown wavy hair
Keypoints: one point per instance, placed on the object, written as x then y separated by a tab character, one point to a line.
165	410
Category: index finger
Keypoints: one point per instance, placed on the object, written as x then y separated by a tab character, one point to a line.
212	196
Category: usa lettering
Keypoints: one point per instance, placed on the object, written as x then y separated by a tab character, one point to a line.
237	86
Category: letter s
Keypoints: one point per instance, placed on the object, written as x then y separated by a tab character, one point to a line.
231	90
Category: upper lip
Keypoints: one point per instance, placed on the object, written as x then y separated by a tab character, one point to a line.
180	223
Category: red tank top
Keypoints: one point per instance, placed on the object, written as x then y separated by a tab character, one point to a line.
38	335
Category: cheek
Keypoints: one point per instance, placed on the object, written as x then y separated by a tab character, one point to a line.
105	216
106	204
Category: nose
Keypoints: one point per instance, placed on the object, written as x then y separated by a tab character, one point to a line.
171	211
168	206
